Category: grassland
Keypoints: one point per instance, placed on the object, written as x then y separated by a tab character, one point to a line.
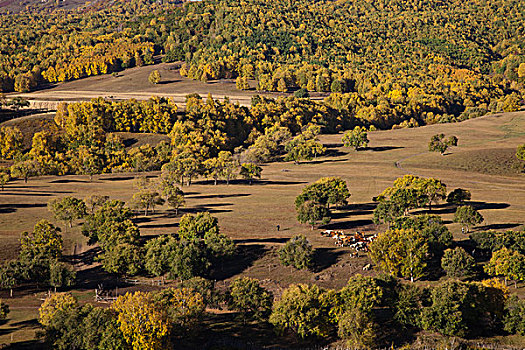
482	163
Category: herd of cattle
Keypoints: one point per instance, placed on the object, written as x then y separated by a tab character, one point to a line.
357	240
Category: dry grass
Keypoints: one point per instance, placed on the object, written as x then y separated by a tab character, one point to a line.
249	214
133	83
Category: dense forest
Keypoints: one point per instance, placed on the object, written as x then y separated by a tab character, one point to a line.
390	62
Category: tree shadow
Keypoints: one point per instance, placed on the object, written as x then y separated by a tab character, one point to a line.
21	206
169	82
271	182
496	227
325	257
117	178
261	240
26	194
346	225
326	161
383	148
485	205
92	277
26	345
244	257
67	181
334	153
27	323
171	225
210	196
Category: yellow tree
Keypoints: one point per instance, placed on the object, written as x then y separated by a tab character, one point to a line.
140	321
54	303
10	142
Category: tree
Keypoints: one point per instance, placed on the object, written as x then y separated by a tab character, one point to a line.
303	148
9	275
61	275
463	309
507	263
159	252
4	178
358	328
25	169
176	201
190	259
248	297
53	304
45	240
467	216
154	77
431	227
122	259
313	213
438	143
184	309
67	209
301	93
250	171
458	196
304	310
357	138
400	253
146	199
458	263
514	321
387	212
10	142
297	252
141	321
4	310
325	191
520	152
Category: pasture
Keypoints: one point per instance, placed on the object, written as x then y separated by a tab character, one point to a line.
483	163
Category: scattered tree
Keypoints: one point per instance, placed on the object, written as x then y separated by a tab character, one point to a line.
250	171
438	143
154	77
458	196
297	252
357	138
67	209
313	213
467	216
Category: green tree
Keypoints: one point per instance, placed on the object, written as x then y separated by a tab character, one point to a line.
67	209
10	275
467	216
458	196
514	321
122	259
4	310
297	252
146	199
357	138
463	309
303	148
387	212
458	263
248	297
4	178
304	310
358	328
61	275
25	169
159	252
250	171
154	77
313	213
438	143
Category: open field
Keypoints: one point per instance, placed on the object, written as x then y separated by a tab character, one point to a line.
482	163
133	83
